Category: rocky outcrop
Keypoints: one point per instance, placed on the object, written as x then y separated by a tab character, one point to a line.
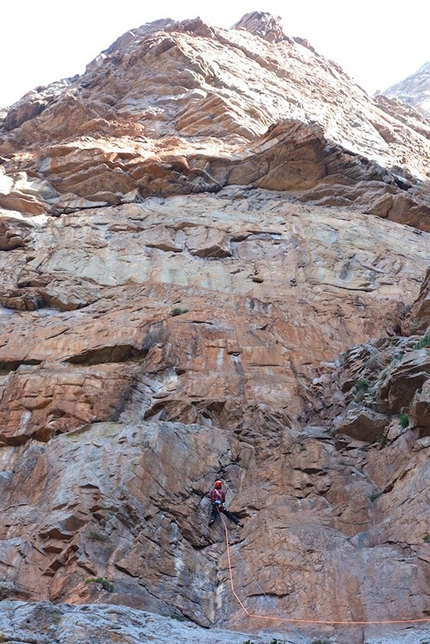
418	321
222	275
287	120
414	90
67	624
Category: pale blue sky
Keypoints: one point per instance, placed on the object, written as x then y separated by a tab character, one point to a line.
377	42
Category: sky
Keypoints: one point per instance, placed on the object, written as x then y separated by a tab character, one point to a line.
377	42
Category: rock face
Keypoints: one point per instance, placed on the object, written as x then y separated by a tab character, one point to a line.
414	90
206	119
214	255
66	624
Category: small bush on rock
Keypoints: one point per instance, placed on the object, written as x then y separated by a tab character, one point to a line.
360	390
425	342
106	585
362	385
382	440
404	421
178	311
374	496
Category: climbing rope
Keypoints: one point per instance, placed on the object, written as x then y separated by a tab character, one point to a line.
292	621
232	582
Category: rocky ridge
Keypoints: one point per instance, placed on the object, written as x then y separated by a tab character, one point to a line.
98	140
414	90
220	274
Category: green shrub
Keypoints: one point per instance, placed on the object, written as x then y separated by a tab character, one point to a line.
178	311
106	585
374	496
425	342
427	538
360	390
382	440
362	385
404	421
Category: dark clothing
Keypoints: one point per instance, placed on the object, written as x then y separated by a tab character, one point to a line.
217	497
229	515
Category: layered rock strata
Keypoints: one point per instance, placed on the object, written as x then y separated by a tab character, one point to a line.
224	275
99	140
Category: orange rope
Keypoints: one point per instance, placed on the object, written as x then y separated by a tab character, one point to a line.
304	621
230	569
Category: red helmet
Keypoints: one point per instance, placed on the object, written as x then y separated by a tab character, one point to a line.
218	484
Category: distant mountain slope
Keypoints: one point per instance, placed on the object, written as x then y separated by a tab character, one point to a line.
414	90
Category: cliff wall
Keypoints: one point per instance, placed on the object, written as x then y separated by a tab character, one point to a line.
214	255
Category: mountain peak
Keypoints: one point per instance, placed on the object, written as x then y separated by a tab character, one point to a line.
262	24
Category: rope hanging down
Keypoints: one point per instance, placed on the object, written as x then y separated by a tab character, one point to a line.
230	571
290	621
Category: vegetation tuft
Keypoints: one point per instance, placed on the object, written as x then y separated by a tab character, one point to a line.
374	496
425	342
362	385
177	311
360	390
96	535
106	585
382	440
404	421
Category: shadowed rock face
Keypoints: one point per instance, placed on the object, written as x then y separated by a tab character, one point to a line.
222	276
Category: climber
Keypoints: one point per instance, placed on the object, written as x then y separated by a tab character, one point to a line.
217	497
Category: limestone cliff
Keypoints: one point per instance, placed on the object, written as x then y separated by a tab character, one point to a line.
214	250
